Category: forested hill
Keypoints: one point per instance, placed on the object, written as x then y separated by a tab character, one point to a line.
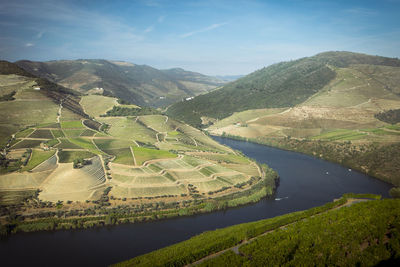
283	84
138	84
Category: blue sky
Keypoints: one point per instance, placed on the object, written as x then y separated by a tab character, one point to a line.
211	37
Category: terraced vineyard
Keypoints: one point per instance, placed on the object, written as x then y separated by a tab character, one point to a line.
134	160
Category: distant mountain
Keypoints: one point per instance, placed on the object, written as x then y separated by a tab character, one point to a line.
138	84
280	85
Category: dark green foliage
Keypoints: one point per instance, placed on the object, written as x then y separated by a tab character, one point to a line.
341	237
66	144
280	85
80	162
10	165
123	102
365	196
123	111
207	243
27	143
395	192
47	85
227	259
92	124
391	116
11	68
71	156
41	134
8	97
363	234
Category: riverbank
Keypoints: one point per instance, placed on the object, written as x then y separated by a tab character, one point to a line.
304	184
381	161
254	190
237	244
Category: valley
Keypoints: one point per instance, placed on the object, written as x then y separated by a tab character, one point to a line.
339	122
70	164
199	133
78	158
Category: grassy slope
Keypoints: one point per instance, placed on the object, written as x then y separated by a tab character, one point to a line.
37	157
31	107
143	154
306	237
342	111
96	105
340	242
281	85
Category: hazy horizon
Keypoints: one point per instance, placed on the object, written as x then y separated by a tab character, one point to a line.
210	37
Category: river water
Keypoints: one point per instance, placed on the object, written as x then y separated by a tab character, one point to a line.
305	182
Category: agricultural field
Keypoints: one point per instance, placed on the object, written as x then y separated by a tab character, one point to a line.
107	144
66	144
37	157
96	105
194	174
131	159
73	132
70	156
57	133
86	144
24	133
49	125
143	154
29	108
88	132
158	123
129	129
132	192
71	124
64	185
341	135
43	134
27	143
122	156
228	158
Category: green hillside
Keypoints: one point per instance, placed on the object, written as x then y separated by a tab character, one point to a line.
353	120
284	84
138	84
122	164
331	235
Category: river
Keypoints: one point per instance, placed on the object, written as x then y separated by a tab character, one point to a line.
305	182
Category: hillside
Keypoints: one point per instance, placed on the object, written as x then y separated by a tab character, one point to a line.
138	84
331	235
27	100
124	163
352	119
285	84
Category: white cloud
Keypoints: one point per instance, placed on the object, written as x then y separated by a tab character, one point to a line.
206	29
149	29
62	18
29	44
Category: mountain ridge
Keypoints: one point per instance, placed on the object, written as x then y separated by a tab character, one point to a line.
138	84
283	84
